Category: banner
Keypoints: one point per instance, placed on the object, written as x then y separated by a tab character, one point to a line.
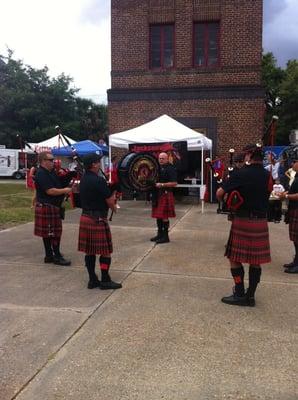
176	151
276	151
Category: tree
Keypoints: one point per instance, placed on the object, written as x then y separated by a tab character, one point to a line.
272	78
281	87
32	103
289	96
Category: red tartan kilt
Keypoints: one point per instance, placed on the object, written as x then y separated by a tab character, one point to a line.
48	223
165	207
249	241
94	236
293	225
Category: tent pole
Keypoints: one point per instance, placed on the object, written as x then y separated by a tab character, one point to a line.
211	180
202	180
110	160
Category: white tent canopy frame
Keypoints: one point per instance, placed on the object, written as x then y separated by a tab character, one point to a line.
160	130
54	142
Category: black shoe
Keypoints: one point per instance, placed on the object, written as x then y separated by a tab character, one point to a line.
155	238
110	285
61	261
250	300
292	270
235	300
94	284
163	239
48	259
290	265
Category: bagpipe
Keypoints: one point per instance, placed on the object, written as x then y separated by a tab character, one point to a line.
74	195
231	201
268	139
231	162
217	173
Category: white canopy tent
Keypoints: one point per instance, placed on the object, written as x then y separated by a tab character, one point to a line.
53	143
161	129
164	129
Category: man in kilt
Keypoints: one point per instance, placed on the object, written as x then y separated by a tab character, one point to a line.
50	192
292	219
249	237
94	233
164	207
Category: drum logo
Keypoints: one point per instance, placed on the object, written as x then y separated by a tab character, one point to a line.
143	173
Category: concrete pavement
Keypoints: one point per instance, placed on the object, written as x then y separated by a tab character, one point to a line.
164	335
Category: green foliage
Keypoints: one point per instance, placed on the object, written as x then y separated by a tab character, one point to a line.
32	104
289	96
281	87
272	77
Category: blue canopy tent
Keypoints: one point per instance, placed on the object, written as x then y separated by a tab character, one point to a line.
82	148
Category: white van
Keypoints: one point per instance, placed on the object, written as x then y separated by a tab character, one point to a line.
12	163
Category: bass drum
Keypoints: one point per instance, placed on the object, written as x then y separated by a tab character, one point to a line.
138	171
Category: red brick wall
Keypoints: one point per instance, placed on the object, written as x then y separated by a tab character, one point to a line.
238	120
240	42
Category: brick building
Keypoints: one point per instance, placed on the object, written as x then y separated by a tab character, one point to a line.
199	61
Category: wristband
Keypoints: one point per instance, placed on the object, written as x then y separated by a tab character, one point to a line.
286	196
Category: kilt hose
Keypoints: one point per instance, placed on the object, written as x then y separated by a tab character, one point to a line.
248	241
47	223
94	236
165	208
293	225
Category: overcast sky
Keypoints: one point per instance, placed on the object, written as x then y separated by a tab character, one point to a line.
73	36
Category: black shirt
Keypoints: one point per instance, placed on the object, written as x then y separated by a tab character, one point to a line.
252	183
45	180
168	173
293	204
94	191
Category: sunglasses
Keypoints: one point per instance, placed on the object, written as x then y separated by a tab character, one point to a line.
49	159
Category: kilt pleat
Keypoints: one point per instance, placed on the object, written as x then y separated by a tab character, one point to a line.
47	223
293	225
165	206
249	241
94	236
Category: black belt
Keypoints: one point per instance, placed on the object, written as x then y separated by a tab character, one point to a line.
94	213
251	214
38	204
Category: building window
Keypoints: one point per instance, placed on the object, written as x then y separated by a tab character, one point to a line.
161	46
206	44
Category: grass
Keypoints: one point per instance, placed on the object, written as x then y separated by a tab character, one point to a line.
15	204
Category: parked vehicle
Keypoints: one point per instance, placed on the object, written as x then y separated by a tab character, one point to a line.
12	163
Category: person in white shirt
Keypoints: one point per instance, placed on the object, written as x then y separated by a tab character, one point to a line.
275	204
290	173
277	188
73	165
273	167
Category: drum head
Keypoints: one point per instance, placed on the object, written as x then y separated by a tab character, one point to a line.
138	171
